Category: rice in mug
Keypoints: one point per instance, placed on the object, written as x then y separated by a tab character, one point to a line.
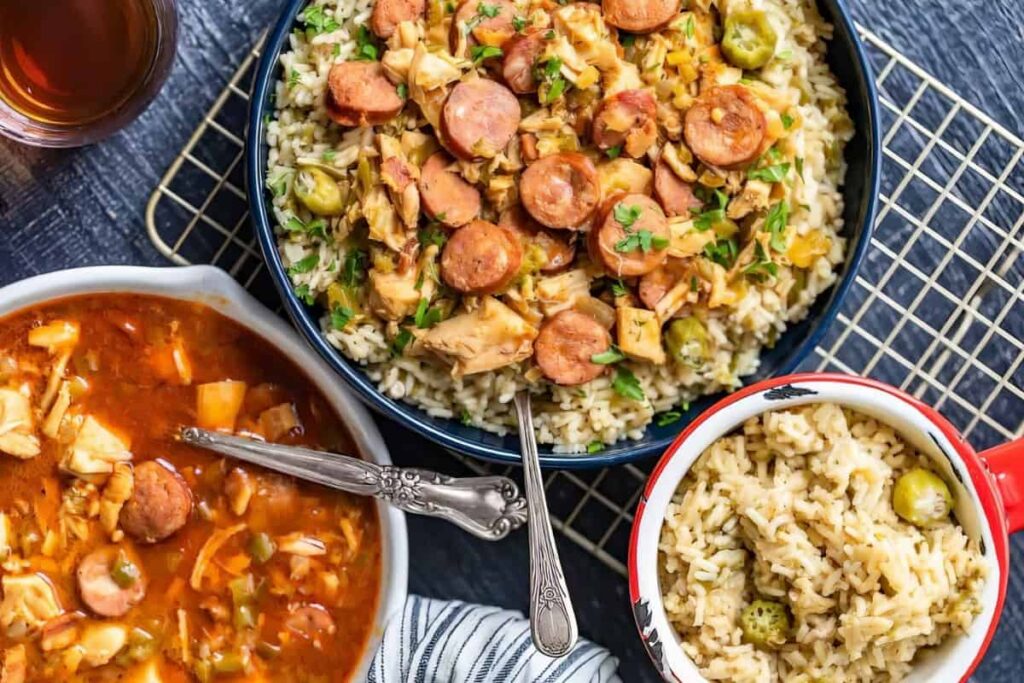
798	510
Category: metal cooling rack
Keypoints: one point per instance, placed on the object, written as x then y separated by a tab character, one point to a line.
937	309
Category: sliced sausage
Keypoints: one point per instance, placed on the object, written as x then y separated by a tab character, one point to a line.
725	127
359	94
626	120
481	258
640	16
610	244
561	190
675	194
479	118
446	197
655	284
160	504
99	591
565	346
557	251
388	14
487	22
521	54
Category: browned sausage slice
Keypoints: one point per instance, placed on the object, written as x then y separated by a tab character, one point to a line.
487	22
446	197
557	251
565	345
561	190
628	224
481	258
521	54
388	14
640	16
160	504
479	118
359	94
725	127
675	194
626	120
99	591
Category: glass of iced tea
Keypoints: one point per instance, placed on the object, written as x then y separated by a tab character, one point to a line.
75	71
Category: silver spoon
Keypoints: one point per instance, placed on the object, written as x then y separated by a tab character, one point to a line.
487	507
552	621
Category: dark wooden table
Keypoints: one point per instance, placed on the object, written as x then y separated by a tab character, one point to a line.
60	209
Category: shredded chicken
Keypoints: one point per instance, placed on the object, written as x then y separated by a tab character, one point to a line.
29	602
17	428
490	337
214	543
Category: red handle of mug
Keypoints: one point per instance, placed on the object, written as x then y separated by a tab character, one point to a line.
1006	462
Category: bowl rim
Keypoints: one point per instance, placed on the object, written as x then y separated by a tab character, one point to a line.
413	417
213	287
985	502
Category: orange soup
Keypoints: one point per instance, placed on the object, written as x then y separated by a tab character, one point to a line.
128	556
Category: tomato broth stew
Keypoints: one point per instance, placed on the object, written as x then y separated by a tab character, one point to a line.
129	556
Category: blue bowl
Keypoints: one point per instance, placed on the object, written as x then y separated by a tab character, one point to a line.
848	61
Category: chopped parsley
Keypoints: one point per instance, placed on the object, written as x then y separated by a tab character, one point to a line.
762	266
293	78
519	23
613	152
367	49
627	385
485	10
328	155
694	283
549	72
787	121
479	53
691	27
626	216
317	21
612	355
799	163
304	265
354	268
644	240
305	296
432	234
279	184
668	417
627	39
785	54
400	341
775	173
403	91
619	288
336	50
595	447
709	217
340	317
775	223
315	228
465	418
723	252
449	7
549	35
427	316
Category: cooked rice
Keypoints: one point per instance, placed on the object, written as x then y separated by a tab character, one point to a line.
571	418
798	508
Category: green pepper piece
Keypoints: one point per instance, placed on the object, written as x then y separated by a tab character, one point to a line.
123	571
319	192
922	498
261	548
228	662
765	623
687	341
749	40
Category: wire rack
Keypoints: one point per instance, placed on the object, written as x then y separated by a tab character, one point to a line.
937	309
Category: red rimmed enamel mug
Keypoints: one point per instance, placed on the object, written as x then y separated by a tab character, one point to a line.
989	503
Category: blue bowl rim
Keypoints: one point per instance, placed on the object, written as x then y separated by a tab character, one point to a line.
307	323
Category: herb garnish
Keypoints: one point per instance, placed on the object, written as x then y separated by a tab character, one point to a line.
691	27
306	296
611	355
775	223
427	316
723	252
668	418
400	341
626	384
550	72
340	317
304	265
519	23
619	288
367	49
613	152
707	219
787	121
317	21
643	239
762	266
355	267
315	228
595	447
775	173
432	234
479	53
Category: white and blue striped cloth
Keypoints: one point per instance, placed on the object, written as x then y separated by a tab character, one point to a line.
434	641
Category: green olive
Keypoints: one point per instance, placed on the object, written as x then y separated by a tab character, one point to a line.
765	623
319	192
749	40
922	498
687	341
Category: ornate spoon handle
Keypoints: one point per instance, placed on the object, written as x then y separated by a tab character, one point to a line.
552	620
487	507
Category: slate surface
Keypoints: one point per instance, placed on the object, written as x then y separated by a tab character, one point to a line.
61	209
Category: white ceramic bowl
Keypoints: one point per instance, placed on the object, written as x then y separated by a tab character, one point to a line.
216	289
988	489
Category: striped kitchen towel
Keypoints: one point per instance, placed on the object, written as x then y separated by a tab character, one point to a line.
434	641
